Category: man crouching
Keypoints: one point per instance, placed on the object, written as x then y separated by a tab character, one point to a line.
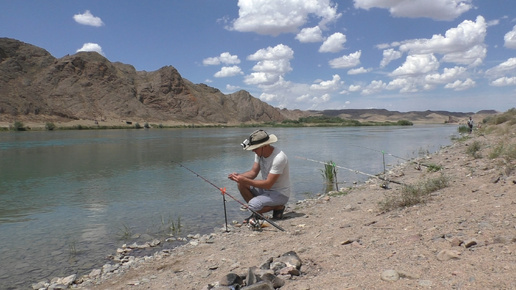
273	190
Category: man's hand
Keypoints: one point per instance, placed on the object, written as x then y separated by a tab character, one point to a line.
233	176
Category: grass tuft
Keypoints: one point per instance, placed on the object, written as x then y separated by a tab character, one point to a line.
413	194
329	174
474	150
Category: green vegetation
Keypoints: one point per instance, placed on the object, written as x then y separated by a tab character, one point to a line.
505	151
169	227
508	117
312	121
323	121
18	126
433	167
473	150
413	194
50	126
338	193
125	232
329	174
463	129
72	249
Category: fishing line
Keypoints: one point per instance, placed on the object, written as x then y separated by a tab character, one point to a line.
352	170
383	152
224	193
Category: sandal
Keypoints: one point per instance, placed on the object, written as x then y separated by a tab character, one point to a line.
277	214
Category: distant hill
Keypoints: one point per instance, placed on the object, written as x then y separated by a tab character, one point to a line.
382	115
36	86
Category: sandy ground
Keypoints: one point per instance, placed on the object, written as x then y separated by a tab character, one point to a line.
462	237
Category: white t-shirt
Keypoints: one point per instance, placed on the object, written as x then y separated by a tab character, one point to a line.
276	163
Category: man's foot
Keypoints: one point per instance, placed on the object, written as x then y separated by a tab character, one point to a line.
277	214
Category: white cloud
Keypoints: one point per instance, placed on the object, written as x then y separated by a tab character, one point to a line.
303	98
461	85
91	47
403	84
506	67
504	81
435	9
463	44
272	64
346	61
311	34
272	17
88	19
472	57
417	65
228	71
231	88
374	87
268	97
223	58
357	71
354	88
334	43
449	74
388	56
510	38
332	85
280	51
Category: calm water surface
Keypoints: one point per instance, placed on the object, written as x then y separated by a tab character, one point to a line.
68	199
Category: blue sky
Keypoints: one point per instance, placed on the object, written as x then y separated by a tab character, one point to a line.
399	55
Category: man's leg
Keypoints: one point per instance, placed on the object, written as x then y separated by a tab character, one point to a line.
246	193
269	208
267	202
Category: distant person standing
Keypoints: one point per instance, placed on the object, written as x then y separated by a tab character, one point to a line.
470	125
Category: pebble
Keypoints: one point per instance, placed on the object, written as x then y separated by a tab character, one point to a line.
390	275
446	255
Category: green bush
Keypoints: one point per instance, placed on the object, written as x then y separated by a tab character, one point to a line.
463	129
473	149
434	167
18	126
50	126
405	123
414	194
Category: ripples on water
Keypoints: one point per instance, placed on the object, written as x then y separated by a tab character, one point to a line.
68	197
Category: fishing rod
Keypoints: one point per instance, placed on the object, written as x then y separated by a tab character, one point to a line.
224	193
352	170
383	152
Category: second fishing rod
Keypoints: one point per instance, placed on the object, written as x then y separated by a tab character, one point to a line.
392	155
352	170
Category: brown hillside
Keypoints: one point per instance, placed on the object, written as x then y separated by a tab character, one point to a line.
37	86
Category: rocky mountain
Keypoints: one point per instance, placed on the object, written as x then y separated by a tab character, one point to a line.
88	86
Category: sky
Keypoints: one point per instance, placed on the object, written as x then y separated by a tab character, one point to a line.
399	55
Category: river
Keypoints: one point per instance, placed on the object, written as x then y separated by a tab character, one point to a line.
68	199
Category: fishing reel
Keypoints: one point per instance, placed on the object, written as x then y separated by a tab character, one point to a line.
255	224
